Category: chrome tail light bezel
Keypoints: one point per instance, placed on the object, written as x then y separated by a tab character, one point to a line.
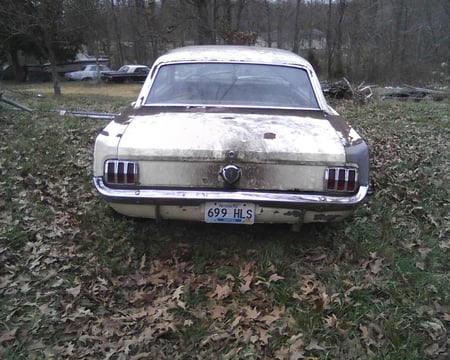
341	179
121	172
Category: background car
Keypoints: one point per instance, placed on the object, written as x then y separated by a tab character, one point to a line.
232	134
126	73
87	72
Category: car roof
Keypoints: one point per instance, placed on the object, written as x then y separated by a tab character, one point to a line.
233	53
134	66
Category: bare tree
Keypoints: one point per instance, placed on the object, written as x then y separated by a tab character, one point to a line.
117	32
374	40
334	38
44	24
267	7
296	43
205	31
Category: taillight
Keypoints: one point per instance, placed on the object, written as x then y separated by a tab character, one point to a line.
341	179
119	172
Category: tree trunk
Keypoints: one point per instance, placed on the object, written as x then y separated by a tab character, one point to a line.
296	44
55	76
18	69
205	33
117	34
52	58
339	69
329	39
269	23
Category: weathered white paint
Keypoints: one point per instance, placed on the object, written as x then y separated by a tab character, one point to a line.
206	136
186	150
262	214
106	145
207	174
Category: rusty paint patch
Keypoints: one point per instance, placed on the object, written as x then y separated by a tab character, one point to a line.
231	155
269	136
125	115
348	134
294	213
327	217
230	113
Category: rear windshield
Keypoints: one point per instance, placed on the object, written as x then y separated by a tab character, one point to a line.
232	84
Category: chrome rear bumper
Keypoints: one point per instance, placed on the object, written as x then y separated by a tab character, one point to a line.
316	202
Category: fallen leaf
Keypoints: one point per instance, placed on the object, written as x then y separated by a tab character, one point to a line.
331	321
322	302
432	350
246	286
314	345
141	297
374	263
268	319
8	335
420	265
247	269
365	336
218	312
142	263
424	251
251	313
236	321
178	293
275	278
70	349
36	345
264	336
74	291
221	292
246	336
309	285
296	342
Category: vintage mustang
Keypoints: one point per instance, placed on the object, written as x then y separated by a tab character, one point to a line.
231	134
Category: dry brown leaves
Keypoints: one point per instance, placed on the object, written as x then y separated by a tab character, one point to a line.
77	283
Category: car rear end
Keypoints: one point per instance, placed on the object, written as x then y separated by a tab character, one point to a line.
243	145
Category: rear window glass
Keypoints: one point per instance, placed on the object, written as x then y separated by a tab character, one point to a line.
232	84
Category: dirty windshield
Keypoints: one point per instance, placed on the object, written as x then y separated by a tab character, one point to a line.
232	84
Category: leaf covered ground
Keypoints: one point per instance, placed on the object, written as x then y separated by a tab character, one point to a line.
78	281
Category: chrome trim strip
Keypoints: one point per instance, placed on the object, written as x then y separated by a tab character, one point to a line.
269	199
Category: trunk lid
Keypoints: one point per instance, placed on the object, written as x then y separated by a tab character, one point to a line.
252	138
190	150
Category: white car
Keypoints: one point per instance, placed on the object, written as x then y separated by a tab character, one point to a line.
87	72
232	134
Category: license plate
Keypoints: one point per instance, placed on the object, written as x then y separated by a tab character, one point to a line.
229	212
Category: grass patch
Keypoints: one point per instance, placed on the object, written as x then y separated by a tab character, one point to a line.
78	281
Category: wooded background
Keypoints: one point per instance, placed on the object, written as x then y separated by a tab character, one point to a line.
383	41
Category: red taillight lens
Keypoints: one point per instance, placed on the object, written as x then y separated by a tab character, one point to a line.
118	172
330	179
341	179
351	182
131	173
110	172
